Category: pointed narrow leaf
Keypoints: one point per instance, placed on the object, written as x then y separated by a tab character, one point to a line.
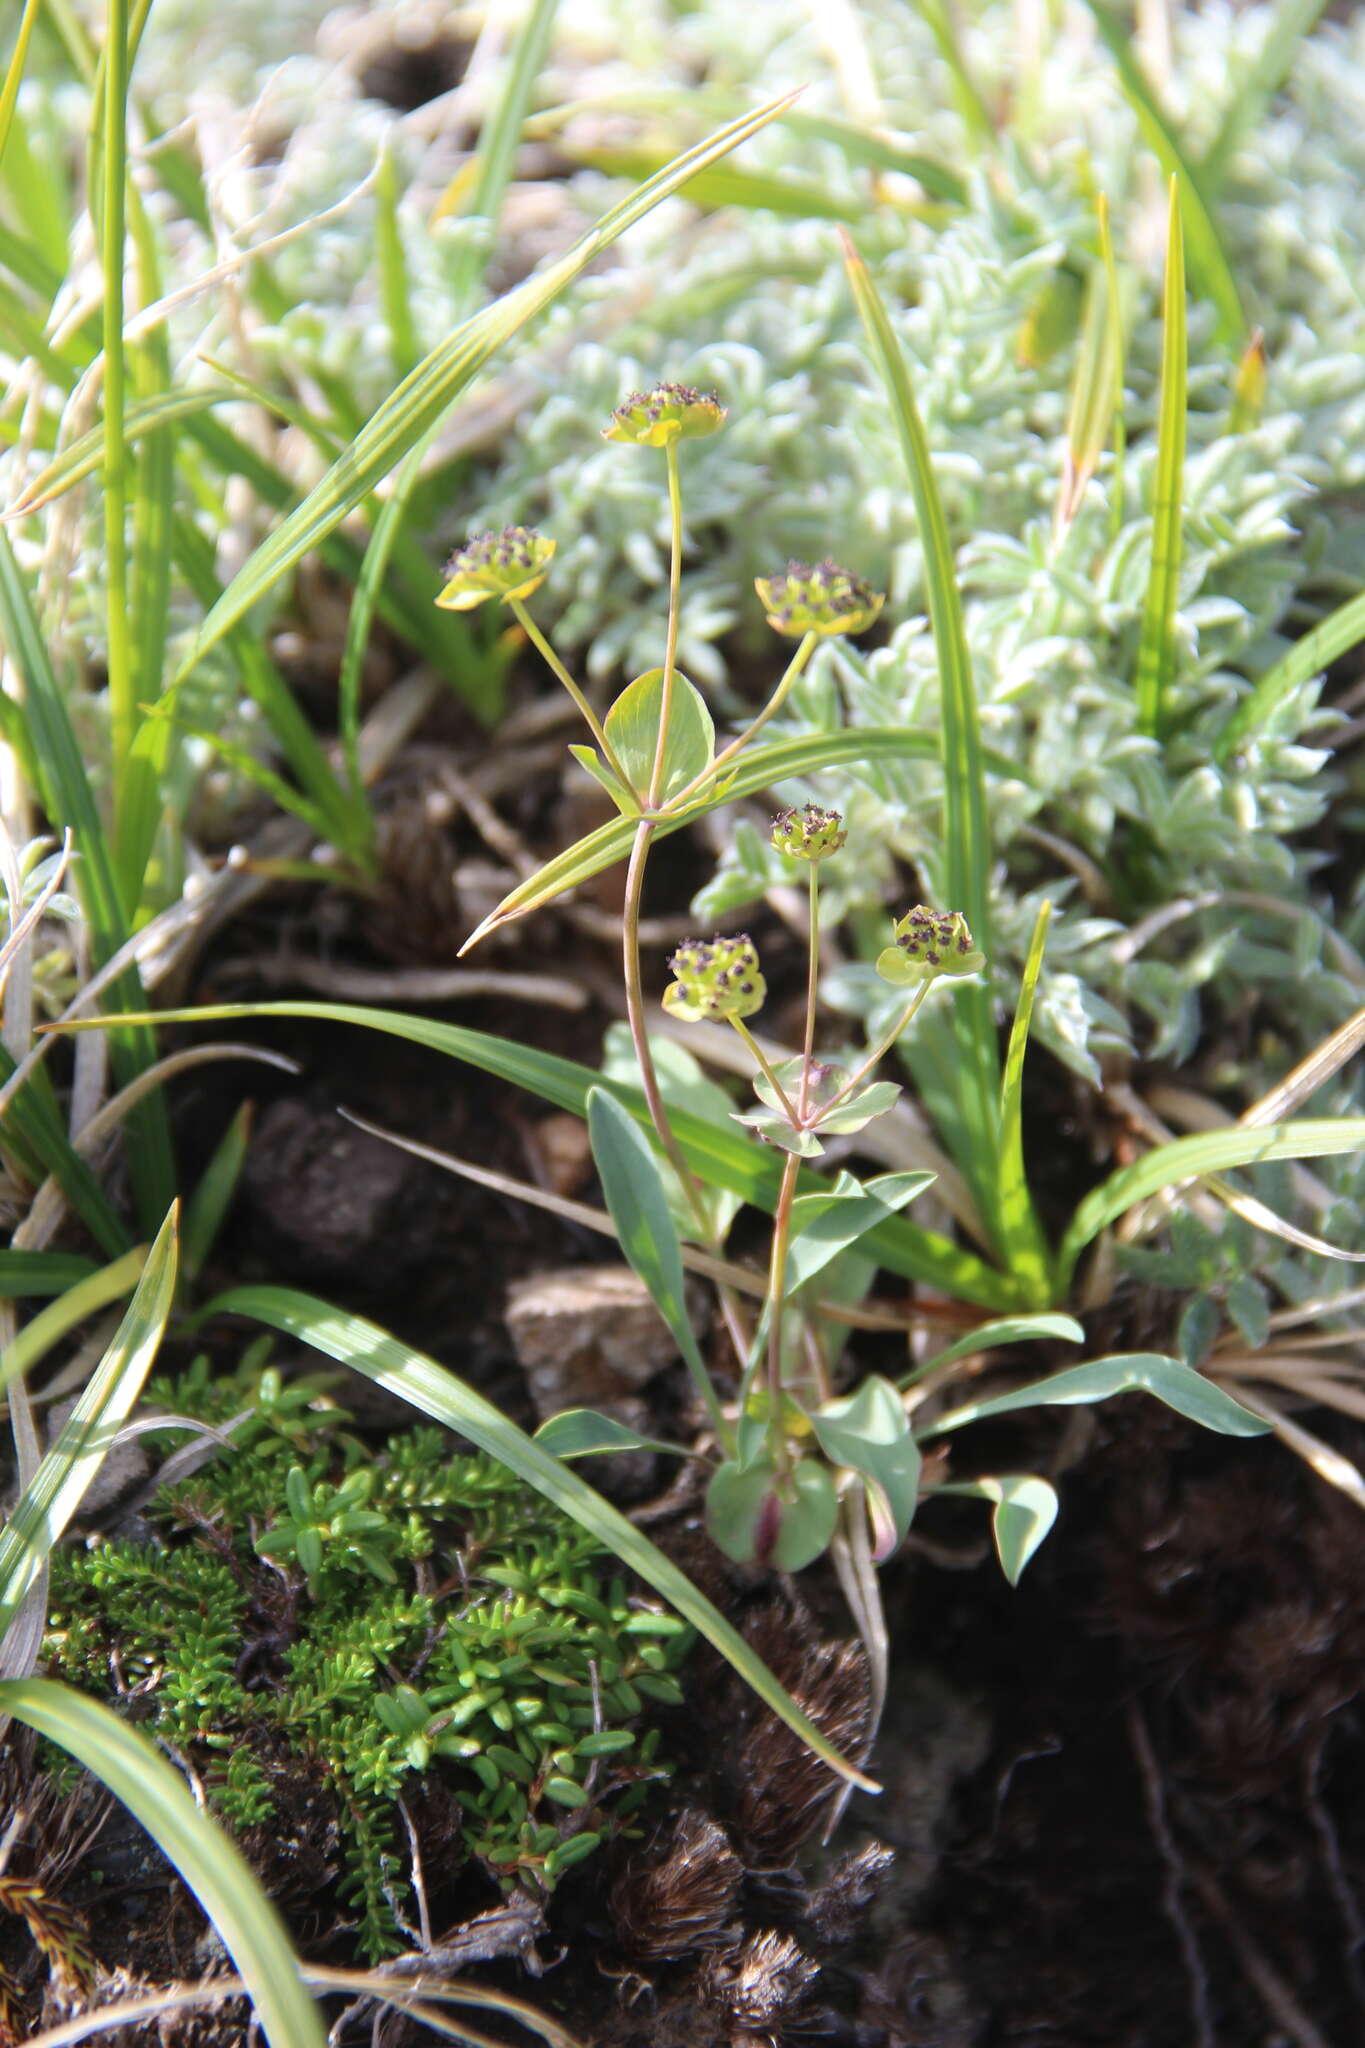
1004	1330
583	1433
1156	648
1148	1372
203	1852
635	1195
434	1391
59	1484
1336	635
1206	1152
1021	1234
760	767
966	823
1208	258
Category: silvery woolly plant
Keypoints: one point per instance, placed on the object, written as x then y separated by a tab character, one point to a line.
799	1465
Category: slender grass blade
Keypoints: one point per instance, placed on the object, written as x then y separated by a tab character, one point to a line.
1156	647
205	1855
966	825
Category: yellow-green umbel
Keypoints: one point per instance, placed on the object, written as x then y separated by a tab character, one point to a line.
929	943
668	413
716	978
818	598
507	565
809	833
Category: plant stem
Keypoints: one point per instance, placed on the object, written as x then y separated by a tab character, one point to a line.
758	1054
635	887
879	1052
553	662
777	1287
635	1012
812	984
770	709
656	778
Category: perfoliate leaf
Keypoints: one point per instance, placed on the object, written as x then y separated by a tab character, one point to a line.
747	1517
772	1125
625	800
632	726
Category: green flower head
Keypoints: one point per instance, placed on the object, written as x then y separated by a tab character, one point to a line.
808	834
506	565
929	943
668	413
820	599
715	978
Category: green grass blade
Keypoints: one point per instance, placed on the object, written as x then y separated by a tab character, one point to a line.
112	152
1021	1235
1290	22
1337	634
1209	263
14	75
93	1291
496	159
966	825
972	109
212	1197
69	800
153	508
392	264
721	1157
26	1275
423	397
205	1855
1006	1330
796	198
82	457
1187	1158
1097	386
36	1137
435	1392
59	1484
348	824
1156	647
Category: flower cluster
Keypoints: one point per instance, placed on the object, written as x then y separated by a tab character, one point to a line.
929	943
505	565
820	598
715	978
808	834
668	413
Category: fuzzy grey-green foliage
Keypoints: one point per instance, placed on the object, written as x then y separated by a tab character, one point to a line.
754	304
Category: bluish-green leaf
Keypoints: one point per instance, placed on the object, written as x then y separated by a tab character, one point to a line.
1024	1512
639	1208
1148	1372
868	1431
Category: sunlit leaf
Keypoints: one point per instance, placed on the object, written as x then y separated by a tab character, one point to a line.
1148	1372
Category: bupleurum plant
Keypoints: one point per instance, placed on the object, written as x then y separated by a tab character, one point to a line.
799	1465
375	1622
